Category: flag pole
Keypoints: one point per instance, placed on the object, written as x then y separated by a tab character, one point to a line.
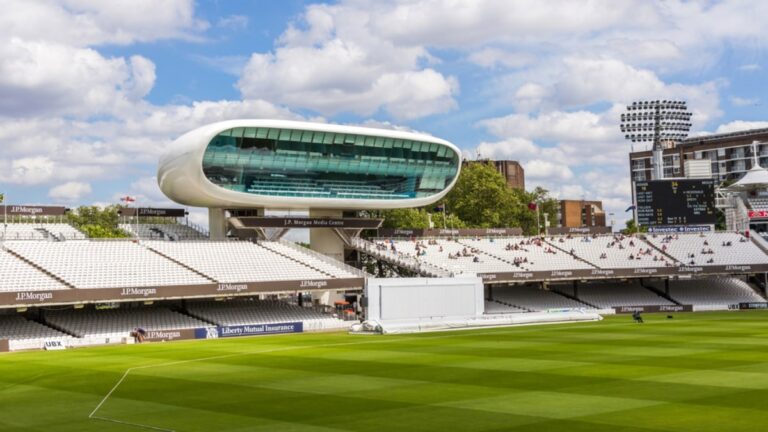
5	216
538	221
445	218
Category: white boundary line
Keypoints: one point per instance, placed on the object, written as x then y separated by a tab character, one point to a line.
386	339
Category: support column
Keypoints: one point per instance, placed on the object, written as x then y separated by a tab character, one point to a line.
217	223
666	287
328	243
325	240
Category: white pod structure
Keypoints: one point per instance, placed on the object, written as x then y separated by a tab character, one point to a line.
281	164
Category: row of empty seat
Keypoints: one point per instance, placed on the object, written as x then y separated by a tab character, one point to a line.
18	275
720	291
613	294
174	232
228	261
16	327
31	265
105	264
712	291
244	312
119	323
40	231
759	204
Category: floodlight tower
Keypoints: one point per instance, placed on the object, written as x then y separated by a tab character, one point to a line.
663	123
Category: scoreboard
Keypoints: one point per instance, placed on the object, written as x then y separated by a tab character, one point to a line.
676	202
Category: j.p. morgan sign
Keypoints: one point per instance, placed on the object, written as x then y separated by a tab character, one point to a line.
681	271
99	295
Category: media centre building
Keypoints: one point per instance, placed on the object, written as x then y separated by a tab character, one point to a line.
327	169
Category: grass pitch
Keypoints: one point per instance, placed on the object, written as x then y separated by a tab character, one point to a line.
697	372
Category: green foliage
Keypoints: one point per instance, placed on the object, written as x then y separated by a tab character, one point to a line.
632	228
482	199
405	218
97	222
449	221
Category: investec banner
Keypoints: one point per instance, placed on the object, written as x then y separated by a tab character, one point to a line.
248	330
653	308
99	295
679	229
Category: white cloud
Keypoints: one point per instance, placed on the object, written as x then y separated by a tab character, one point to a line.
582	126
69	192
752	67
96	22
335	64
492	57
544	169
233	22
740	125
44	78
30	170
740	102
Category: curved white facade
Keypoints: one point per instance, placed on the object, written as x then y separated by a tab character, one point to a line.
281	164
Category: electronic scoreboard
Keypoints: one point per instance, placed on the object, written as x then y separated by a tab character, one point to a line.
675	202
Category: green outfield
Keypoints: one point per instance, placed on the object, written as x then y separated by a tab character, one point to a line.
697	372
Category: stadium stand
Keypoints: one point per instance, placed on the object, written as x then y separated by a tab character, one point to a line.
476	255
118	323
615	294
509	254
501	307
173	232
451	255
238	261
313	259
758	203
383	251
18	275
719	248
104	264
244	312
526	253
714	291
16	327
533	299
617	251
41	231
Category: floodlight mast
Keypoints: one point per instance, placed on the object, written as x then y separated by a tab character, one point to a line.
659	122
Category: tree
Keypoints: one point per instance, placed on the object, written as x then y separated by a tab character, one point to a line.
632	228
482	199
449	221
405	218
97	222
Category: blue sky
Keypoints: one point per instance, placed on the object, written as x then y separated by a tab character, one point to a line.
92	91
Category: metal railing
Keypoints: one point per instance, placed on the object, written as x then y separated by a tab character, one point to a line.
324	258
403	260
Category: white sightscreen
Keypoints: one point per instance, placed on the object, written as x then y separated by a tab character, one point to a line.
424	298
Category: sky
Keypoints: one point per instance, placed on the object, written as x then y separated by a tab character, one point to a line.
92	91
